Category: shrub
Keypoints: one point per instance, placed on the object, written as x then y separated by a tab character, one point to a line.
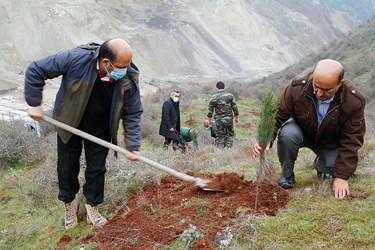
17	144
151	118
235	91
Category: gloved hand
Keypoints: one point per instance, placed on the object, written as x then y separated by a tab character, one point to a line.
36	113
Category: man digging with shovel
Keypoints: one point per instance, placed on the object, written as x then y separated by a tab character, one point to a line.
99	87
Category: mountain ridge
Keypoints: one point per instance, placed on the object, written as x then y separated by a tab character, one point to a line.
173	40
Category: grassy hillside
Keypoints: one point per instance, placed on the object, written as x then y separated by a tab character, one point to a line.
31	216
355	51
313	219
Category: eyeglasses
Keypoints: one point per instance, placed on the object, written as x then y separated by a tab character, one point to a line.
116	67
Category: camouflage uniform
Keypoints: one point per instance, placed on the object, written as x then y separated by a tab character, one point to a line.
224	105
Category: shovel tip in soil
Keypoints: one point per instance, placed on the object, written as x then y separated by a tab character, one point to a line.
209	185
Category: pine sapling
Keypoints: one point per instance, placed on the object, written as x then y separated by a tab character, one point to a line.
265	133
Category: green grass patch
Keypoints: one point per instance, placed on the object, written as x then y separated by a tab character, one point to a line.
32	217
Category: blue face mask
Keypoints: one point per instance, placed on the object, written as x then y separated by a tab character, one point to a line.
117	73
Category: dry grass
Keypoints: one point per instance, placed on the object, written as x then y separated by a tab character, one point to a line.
306	223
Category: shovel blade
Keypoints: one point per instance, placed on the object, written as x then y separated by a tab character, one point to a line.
208	185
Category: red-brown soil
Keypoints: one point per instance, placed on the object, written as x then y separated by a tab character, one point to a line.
65	239
249	125
161	212
191	123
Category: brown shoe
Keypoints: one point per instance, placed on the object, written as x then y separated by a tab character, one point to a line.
94	217
71	219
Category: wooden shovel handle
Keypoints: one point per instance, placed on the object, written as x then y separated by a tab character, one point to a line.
116	148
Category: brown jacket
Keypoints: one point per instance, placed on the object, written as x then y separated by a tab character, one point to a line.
343	127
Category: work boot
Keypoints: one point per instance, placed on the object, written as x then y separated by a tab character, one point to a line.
321	175
183	149
94	217
71	219
287	183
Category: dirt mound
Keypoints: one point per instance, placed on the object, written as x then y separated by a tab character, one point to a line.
162	212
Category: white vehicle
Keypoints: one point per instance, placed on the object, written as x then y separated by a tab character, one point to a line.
31	125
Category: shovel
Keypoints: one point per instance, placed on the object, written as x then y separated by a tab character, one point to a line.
202	183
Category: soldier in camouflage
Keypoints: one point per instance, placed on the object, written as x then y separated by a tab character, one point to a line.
223	106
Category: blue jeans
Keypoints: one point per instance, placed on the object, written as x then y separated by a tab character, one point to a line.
291	139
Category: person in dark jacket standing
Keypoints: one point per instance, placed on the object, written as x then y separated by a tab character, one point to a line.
324	112
99	87
170	120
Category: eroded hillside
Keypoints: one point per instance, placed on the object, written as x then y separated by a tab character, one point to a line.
172	39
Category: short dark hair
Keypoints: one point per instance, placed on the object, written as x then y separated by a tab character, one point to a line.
220	85
106	52
341	75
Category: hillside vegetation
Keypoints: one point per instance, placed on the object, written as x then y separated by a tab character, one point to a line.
313	219
361	9
355	51
31	217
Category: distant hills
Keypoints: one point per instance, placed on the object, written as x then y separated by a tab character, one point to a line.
173	40
356	51
360	9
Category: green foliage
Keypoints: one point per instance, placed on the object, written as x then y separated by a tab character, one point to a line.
266	125
28	195
355	51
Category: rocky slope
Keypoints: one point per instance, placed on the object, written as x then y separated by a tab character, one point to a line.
360	9
172	39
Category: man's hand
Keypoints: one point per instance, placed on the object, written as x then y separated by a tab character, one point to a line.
237	119
257	149
133	156
171	129
36	113
340	188
207	124
209	119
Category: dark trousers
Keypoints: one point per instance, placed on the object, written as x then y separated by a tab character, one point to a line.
291	139
168	141
68	166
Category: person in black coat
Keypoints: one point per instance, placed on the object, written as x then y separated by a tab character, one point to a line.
170	120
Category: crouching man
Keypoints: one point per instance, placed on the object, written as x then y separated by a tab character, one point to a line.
324	112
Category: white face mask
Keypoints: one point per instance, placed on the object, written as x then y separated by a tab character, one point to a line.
175	99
